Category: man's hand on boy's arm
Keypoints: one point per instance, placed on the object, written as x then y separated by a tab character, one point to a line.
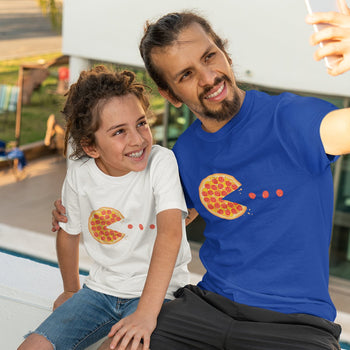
142	322
338	35
67	247
58	215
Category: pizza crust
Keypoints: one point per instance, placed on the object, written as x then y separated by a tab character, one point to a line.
213	189
99	221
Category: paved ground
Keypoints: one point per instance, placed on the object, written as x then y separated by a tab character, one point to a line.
24	31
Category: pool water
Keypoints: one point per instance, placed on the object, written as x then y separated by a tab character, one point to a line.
345	346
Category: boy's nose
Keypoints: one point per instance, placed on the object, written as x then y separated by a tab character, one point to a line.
135	138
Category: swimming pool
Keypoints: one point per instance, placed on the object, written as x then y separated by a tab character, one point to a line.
345	346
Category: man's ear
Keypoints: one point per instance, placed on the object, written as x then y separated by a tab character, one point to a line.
170	97
90	150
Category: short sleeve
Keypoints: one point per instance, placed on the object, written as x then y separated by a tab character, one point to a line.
166	182
298	125
71	202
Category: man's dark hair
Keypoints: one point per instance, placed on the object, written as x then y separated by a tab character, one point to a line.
165	32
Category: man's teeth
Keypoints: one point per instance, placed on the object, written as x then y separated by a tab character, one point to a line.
218	92
136	154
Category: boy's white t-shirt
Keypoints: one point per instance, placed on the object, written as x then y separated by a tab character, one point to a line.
120	269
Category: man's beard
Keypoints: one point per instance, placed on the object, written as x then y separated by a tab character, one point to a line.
227	109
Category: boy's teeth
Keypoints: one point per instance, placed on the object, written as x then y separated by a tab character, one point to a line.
219	91
136	154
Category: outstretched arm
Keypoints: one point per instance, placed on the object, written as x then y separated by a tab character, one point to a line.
142	322
68	259
338	35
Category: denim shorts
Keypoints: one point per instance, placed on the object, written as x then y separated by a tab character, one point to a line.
84	319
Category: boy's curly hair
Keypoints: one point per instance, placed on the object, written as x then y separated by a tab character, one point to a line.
85	99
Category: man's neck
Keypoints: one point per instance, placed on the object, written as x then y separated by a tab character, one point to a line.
212	125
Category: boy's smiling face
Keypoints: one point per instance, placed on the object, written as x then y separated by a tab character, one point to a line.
124	139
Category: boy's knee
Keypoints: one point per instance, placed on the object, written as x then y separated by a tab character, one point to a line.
36	342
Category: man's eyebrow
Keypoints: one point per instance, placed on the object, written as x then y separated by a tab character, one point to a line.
205	53
113	127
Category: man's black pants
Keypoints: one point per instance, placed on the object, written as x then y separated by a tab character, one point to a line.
203	320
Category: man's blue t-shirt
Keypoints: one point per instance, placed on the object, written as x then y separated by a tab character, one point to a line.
275	255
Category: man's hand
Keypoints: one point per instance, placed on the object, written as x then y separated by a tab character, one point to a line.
337	35
61	299
58	215
130	330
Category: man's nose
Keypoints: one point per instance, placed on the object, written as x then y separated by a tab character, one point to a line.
207	77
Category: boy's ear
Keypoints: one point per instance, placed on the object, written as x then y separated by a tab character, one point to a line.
170	97
90	150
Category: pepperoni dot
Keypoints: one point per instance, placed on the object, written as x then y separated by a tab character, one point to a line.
233	211
96	234
109	223
107	217
92	223
230	204
207	186
206	199
141	227
221	179
265	194
252	195
210	206
220	211
103	212
223	193
228	183
152	227
217	193
119	234
223	206
109	211
204	193
227	212
239	208
109	238
103	238
215	181
118	218
234	187
96	216
279	193
217	205
213	199
214	187
210	192
130	226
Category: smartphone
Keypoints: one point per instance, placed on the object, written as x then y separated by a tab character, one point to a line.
323	6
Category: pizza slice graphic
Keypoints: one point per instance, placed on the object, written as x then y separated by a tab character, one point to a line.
213	189
99	221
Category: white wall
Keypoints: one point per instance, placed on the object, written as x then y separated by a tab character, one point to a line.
269	40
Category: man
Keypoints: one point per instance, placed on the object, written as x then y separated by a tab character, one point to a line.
257	169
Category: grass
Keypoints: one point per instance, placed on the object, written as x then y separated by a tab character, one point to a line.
45	101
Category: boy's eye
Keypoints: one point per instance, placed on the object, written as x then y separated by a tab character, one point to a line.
142	123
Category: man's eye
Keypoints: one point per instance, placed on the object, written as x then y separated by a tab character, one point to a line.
211	55
185	75
118	132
